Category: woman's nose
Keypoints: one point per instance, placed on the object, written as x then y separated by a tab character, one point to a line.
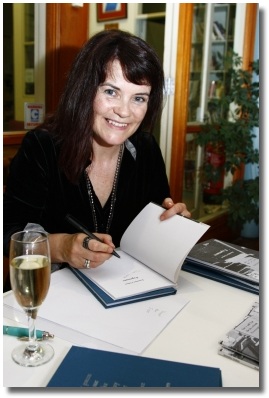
122	109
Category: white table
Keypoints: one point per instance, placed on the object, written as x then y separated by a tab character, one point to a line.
191	337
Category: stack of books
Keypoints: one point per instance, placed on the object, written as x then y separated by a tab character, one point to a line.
241	343
226	263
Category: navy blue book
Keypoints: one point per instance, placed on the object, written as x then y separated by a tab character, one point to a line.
220	277
225	262
107	301
86	367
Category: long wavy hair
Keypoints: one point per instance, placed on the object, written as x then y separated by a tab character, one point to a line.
73	120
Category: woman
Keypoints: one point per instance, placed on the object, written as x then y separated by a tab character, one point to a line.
94	158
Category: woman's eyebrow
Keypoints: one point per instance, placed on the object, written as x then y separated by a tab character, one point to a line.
110	85
117	88
143	94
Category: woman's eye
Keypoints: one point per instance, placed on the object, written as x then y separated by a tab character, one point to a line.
110	91
140	99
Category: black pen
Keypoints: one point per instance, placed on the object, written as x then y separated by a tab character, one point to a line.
81	228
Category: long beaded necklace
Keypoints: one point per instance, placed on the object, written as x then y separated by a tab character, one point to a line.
113	194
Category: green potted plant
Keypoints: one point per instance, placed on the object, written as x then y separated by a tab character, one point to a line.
228	134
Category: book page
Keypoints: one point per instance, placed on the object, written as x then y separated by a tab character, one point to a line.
125	277
161	245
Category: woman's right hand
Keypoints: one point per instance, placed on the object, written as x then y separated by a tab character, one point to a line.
68	248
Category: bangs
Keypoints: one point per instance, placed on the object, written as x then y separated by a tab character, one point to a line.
132	71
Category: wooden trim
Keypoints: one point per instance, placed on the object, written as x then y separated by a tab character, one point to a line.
195	128
181	103
14	138
249	35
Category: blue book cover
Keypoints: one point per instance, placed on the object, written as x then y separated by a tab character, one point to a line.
227	259
86	367
108	302
219	277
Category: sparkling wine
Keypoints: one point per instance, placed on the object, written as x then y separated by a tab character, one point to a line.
30	270
30	279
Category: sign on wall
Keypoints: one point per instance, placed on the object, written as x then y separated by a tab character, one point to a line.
33	115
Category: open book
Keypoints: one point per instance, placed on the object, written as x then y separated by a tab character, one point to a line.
151	255
225	262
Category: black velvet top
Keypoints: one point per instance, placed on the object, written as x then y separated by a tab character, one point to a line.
38	192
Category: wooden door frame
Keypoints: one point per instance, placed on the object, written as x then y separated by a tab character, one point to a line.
181	100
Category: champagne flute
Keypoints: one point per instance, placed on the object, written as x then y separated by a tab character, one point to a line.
30	269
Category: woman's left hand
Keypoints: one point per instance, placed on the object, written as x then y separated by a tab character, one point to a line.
174	208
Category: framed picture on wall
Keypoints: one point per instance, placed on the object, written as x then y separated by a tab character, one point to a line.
111	11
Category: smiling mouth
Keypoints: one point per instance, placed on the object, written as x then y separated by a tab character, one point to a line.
116	124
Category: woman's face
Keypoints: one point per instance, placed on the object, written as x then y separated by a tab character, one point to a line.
119	108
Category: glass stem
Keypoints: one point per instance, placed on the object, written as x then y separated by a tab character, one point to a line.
32	345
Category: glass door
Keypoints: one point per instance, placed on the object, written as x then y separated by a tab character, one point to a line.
212	38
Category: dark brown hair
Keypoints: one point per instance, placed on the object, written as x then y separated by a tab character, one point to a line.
73	120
